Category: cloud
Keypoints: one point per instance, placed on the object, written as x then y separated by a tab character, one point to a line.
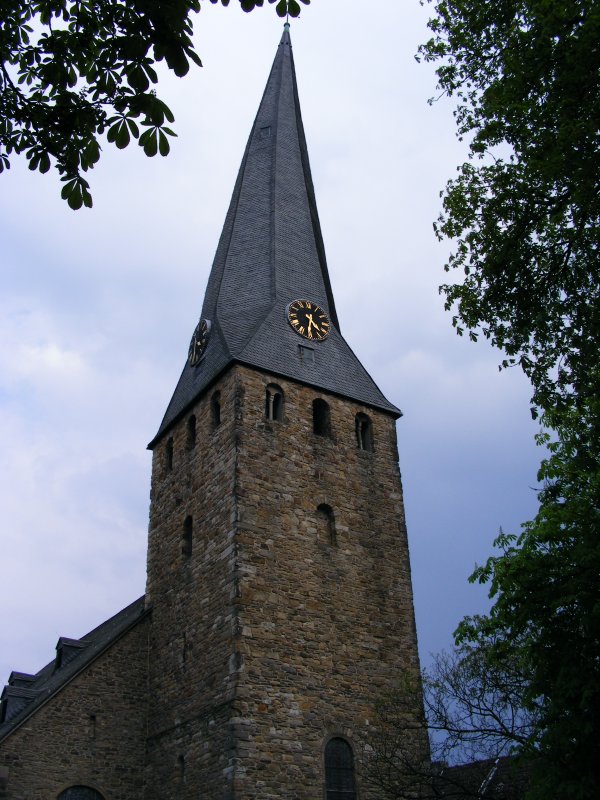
97	309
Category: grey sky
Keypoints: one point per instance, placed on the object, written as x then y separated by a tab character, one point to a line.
97	308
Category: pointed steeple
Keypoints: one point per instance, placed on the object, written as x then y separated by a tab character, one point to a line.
271	253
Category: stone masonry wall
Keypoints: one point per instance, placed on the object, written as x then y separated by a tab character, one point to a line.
326	628
91	733
192	665
270	637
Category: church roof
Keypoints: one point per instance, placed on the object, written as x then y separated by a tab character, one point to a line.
25	693
271	253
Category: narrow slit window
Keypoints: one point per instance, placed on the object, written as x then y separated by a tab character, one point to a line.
339	770
321	418
215	407
187	537
169	454
364	432
191	432
327	523
274	403
184	648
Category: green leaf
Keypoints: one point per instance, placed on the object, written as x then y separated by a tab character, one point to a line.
149	142
123	138
163	144
151	73
177	61
76	193
91	153
135	131
194	56
75	200
67	189
113	132
157	114
137	78
168	113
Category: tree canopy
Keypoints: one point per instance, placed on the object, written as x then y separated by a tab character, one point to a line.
524	209
74	70
524	218
545	584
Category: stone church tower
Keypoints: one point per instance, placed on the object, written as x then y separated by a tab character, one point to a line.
278	607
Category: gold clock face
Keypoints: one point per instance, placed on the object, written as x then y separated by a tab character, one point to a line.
308	320
199	342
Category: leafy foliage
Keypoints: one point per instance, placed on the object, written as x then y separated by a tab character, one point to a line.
547	607
525	209
73	70
524	214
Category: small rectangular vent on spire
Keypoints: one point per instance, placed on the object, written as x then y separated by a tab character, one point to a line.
265	133
307	354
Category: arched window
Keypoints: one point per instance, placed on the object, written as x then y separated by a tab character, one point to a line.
80	793
215	409
364	432
339	770
191	432
169	454
321	418
274	402
187	537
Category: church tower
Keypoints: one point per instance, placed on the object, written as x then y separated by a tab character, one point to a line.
278	571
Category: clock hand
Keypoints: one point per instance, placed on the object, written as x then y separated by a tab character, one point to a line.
310	322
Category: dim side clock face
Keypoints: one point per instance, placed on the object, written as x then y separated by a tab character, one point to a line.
308	320
199	342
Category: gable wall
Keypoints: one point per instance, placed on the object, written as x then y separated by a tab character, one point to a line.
60	745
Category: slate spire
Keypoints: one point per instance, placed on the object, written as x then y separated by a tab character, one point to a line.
270	253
